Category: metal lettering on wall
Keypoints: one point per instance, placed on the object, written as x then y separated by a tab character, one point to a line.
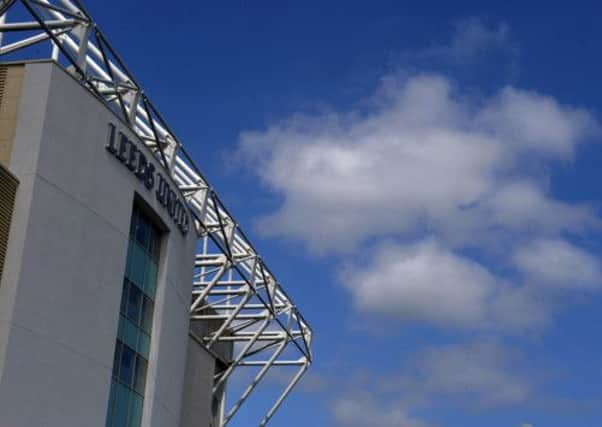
134	159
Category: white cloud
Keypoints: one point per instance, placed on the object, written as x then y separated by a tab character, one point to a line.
424	156
476	374
533	121
422	282
481	372
558	263
366	412
523	206
426	282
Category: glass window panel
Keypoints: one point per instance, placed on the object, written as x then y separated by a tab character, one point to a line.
134	305
130	363
135	410
134	223
129	261
151	281
144	261
120	411
140	375
143	233
155	247
147	314
152	237
116	359
111	404
126	370
133	262
139	265
121	332
144	344
124	297
131	332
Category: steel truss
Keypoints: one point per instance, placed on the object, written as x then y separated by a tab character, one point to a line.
233	288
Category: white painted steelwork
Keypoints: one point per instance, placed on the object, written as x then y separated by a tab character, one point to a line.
233	288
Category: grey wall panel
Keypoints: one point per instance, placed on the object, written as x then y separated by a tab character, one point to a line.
24	156
196	405
71	286
168	354
68	264
46	393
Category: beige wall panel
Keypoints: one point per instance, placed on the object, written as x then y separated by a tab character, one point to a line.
11	85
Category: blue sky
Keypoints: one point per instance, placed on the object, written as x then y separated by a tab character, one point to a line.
423	179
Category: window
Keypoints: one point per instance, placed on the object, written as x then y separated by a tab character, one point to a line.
132	348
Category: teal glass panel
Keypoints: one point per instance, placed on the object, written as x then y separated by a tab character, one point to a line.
155	246
116	360
140	375
135	410
111	403
124	296
120	411
143	231
143	344
126	370
134	305
132	347
147	314
130	335
139	266
151	282
134	262
129	264
121	331
133	224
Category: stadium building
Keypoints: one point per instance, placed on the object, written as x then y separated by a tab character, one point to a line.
129	295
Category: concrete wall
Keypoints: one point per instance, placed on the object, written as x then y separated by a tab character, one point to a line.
200	369
61	287
198	406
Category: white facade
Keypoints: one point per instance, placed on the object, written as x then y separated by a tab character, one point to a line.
61	286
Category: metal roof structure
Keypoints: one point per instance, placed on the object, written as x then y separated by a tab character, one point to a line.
233	288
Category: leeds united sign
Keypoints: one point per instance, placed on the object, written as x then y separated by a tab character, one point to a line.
134	159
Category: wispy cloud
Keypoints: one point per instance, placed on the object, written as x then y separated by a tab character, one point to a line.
558	263
475	47
365	411
479	374
471	38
